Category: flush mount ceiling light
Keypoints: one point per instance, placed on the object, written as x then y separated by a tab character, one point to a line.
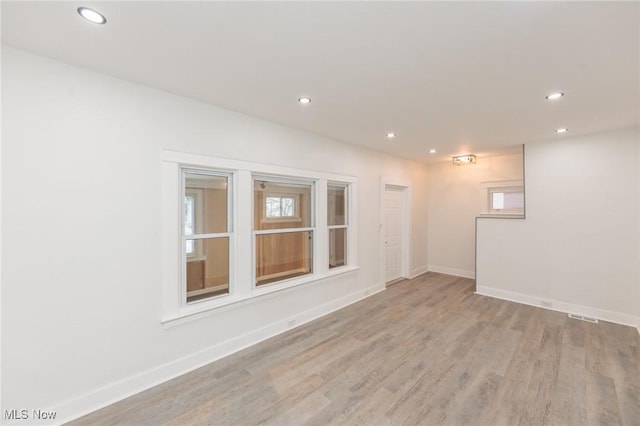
562	130
391	135
459	160
91	15
554	96
432	151
304	100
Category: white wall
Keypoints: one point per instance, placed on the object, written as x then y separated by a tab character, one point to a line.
455	198
578	247
81	283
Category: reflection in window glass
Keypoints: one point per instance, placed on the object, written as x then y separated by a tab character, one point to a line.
189	221
337	220
208	273
206	233
283	229
337	247
282	256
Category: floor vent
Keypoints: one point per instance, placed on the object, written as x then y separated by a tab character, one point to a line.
583	318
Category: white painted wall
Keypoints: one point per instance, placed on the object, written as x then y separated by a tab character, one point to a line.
81	281
578	247
455	198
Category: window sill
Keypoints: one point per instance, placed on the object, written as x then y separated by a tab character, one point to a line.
210	307
502	215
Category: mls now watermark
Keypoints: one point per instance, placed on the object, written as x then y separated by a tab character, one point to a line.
24	414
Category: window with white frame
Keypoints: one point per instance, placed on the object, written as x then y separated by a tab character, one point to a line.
207	230
337	222
283	229
247	230
506	200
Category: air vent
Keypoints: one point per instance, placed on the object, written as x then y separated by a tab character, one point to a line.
583	318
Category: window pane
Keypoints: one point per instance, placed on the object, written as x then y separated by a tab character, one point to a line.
208	269
209	195
509	200
281	205
337	247
273	206
336	205
498	201
282	256
513	200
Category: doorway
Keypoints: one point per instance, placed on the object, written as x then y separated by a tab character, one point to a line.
395	232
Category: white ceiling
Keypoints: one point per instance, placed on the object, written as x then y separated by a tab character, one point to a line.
455	76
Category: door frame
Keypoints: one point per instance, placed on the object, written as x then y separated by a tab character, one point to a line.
405	249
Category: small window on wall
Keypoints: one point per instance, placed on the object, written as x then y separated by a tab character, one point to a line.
506	200
337	221
206	234
283	229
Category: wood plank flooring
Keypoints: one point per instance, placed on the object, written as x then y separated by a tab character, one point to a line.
426	351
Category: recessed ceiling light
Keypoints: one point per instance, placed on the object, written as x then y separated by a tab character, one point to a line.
304	100
554	96
391	135
562	130
91	15
432	151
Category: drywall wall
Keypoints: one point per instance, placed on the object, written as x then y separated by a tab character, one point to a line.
577	250
81	173
455	197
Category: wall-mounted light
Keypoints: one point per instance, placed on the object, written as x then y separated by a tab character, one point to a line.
459	160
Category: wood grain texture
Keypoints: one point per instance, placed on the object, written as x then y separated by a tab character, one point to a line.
427	351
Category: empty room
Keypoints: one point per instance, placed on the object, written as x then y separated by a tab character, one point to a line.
312	213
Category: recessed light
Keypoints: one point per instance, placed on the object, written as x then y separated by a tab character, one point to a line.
304	100
391	135
562	130
91	15
432	151
554	96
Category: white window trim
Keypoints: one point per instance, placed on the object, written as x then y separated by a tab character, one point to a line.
490	187
347	224
184	170
241	250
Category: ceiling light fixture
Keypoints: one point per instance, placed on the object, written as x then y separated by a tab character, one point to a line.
91	15
304	100
554	96
432	151
562	130
459	160
391	135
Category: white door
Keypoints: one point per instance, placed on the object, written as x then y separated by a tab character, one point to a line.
393	214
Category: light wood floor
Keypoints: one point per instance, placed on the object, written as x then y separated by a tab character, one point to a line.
426	351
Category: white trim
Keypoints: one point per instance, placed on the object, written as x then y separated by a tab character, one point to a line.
415	272
452	271
559	306
196	160
116	391
281	274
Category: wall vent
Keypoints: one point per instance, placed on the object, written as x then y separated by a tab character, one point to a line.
583	318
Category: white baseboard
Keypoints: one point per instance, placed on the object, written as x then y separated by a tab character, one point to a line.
557	305
452	271
113	392
419	271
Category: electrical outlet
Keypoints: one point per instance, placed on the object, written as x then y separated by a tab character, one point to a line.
546	303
